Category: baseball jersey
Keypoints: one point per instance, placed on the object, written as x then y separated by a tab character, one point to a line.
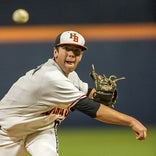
40	97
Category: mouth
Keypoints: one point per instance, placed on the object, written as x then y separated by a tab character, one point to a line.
70	62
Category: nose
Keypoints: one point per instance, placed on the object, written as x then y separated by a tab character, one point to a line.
71	54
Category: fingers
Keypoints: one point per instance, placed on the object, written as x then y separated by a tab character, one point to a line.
141	135
139	129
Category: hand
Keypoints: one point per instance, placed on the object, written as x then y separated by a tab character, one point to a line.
139	129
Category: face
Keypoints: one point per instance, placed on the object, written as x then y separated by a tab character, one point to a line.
68	57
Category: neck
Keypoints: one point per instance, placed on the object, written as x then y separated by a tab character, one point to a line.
66	74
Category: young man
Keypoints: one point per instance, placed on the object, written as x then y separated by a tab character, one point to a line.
42	98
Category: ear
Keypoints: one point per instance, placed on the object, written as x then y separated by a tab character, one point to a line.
80	57
55	53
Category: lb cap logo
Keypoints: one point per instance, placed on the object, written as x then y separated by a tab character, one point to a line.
74	37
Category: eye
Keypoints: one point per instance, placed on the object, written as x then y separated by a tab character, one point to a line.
77	52
66	48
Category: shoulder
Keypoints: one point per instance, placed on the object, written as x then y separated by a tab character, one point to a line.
52	71
54	75
73	75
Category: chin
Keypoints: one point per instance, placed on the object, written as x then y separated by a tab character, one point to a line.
71	70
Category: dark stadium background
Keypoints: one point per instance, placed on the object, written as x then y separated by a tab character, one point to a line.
133	58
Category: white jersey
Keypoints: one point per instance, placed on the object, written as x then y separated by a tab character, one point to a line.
24	108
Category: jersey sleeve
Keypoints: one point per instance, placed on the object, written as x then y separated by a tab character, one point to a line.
78	82
87	106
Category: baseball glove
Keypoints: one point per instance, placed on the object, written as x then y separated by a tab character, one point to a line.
106	88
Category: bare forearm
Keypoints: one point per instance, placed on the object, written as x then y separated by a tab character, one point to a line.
108	115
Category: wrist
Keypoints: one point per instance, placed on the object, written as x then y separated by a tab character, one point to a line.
90	95
132	122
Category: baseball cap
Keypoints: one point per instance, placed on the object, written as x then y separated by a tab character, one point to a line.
70	37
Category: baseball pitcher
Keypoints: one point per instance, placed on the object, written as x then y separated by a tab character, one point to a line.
42	98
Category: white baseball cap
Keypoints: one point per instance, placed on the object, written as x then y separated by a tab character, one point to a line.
70	37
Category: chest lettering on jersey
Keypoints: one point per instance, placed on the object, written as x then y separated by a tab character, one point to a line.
60	111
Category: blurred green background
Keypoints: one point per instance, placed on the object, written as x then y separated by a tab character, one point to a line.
105	142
